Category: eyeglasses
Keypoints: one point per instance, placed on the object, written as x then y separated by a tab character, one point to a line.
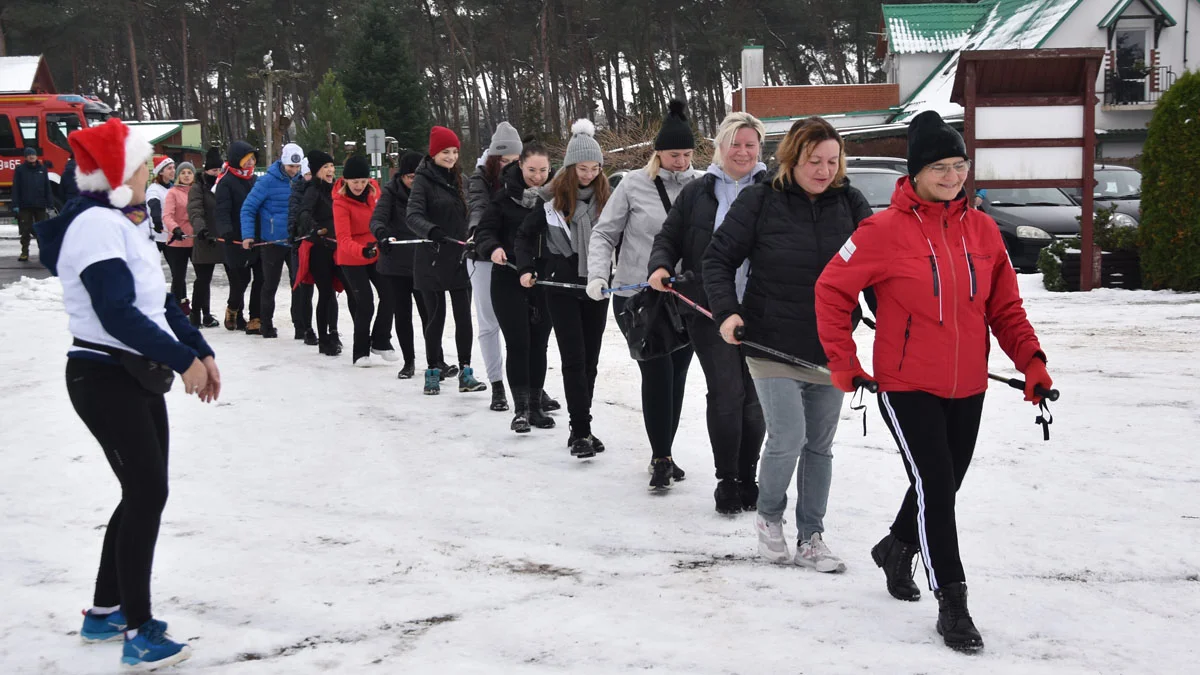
943	169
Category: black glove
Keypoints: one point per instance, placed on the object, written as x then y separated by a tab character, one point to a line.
436	234
369	252
202	235
176	235
384	245
158	229
470	250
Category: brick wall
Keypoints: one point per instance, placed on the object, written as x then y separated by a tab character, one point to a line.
821	99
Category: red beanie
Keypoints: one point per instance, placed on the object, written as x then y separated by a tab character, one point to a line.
441	138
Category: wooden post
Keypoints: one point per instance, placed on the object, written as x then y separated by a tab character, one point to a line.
970	82
1089	267
268	119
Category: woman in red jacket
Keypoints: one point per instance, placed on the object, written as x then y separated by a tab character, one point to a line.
354	198
943	281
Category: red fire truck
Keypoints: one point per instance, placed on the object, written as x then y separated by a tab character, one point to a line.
41	121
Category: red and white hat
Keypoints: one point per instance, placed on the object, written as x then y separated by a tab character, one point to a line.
160	162
106	156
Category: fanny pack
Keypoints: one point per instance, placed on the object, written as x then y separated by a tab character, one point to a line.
154	377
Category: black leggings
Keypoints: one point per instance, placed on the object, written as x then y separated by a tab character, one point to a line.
202	288
302	296
272	258
241	276
177	260
366	337
936	437
579	329
736	427
464	333
320	264
664	381
524	320
399	292
130	424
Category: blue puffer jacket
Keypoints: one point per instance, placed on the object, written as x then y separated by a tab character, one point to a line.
267	206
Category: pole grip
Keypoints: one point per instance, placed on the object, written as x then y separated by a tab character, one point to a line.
870	385
739	332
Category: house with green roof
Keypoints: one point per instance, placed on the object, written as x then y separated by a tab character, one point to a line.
1148	43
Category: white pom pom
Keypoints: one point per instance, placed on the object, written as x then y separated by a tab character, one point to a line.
584	127
121	196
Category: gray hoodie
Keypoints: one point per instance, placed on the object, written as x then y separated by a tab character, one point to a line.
633	215
726	191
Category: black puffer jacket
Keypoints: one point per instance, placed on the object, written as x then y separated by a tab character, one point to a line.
503	217
389	220
686	233
231	192
201	208
316	213
436	209
295	200
788	239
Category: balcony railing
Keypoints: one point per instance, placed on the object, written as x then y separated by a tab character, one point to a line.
1131	87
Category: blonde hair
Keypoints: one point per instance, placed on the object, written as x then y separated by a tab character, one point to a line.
730	126
344	190
804	136
653	166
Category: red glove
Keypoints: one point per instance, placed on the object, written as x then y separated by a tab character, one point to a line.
1036	375
844	379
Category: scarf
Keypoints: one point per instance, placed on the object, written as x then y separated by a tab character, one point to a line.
568	239
136	213
244	174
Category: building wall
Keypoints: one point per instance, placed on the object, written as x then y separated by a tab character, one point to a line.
909	71
816	99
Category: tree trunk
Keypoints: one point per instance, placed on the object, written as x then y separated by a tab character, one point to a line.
3	41
137	91
187	73
676	70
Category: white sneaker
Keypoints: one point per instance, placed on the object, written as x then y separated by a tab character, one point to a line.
771	544
362	362
388	355
815	554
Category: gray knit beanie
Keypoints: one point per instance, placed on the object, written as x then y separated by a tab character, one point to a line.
506	141
185	165
583	146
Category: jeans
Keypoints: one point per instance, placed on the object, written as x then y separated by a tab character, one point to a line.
401	295
735	417
802	419
273	259
485	316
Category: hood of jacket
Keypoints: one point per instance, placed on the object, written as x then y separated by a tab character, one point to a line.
50	233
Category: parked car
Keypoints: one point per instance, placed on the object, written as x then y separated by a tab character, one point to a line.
894	163
1030	219
1119	187
876	184
615	179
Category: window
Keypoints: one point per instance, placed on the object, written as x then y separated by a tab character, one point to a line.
876	187
1118	184
1132	62
1029	197
8	141
59	126
29	131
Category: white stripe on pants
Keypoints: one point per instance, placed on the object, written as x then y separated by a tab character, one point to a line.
485	319
925	557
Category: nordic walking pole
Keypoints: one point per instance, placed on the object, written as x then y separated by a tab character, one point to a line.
1015	383
644	284
400	242
556	284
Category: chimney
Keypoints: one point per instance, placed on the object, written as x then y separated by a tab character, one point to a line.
752	69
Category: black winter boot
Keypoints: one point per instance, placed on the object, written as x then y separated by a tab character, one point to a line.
520	421
728	497
954	622
749	493
499	402
268	330
194	318
537	417
549	404
895	558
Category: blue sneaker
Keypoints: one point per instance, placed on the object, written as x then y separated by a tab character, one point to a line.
151	649
99	628
467	381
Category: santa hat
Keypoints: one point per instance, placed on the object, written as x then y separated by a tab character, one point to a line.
106	156
160	162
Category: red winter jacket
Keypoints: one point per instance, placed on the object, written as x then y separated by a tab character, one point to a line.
352	224
942	278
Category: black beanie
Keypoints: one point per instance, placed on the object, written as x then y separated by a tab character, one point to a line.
676	132
318	159
212	159
356	167
929	140
409	162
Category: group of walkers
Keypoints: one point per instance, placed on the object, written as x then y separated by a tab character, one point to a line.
776	257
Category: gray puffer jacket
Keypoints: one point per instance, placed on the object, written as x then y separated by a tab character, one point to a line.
632	217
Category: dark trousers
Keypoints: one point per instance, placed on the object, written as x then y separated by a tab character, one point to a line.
302	296
202	288
130	424
361	278
177	260
401	295
273	258
25	220
324	272
936	438
525	322
736	427
242	275
464	334
579	329
663	383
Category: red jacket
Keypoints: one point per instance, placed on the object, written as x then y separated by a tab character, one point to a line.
942	277
352	224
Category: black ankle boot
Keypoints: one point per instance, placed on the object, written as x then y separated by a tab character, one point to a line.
954	622
537	417
896	559
499	402
520	421
194	318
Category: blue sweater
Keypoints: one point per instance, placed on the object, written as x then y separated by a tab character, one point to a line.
267	205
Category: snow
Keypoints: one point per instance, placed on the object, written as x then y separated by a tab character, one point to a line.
329	518
909	39
17	73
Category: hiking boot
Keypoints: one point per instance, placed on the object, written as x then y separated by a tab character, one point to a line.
433	381
254	327
662	470
209	321
407	372
728	498
499	401
582	448
895	558
540	419
815	554
467	381
24	257
310	338
954	622
749	492
771	544
231	319
520	421
549	404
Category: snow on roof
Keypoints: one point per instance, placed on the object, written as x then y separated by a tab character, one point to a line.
1006	24
930	28
17	73
156	130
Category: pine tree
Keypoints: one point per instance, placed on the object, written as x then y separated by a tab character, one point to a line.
329	113
378	72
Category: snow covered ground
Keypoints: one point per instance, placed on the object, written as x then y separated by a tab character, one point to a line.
331	519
